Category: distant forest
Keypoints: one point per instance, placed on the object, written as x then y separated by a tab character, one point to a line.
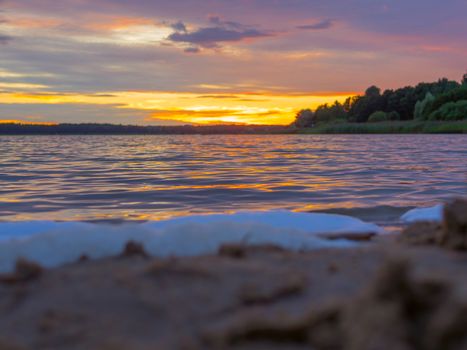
112	129
444	100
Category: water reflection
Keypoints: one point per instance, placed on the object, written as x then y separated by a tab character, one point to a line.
155	177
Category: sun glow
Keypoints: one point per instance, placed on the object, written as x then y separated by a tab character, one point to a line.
142	34
197	108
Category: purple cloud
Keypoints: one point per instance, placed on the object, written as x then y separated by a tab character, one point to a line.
325	24
216	20
179	27
211	37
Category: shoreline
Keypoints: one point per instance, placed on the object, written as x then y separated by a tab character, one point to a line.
390	128
406	290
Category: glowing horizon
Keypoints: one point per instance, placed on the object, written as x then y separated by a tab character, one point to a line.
192	108
160	63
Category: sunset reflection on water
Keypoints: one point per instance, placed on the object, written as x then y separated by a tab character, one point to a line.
157	177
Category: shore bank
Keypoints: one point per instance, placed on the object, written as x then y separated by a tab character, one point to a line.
390	127
396	292
394	127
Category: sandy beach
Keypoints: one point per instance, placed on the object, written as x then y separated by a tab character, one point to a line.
393	292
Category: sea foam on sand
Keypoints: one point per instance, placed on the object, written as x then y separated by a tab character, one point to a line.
55	243
434	213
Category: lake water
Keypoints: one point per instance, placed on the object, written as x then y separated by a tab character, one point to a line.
93	178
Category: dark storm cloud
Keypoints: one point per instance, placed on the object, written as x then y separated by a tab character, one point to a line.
326	24
213	36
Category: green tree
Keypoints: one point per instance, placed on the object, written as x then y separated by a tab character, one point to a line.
349	102
304	119
458	94
367	104
401	104
451	111
393	115
421	107
378	116
330	113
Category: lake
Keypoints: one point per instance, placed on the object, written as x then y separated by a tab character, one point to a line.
105	178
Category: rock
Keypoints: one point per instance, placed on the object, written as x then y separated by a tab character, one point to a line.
239	250
454	232
83	258
421	233
7	344
312	329
289	285
398	312
24	271
357	237
236	251
134	249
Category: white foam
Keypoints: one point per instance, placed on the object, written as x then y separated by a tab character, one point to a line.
55	243
434	213
312	223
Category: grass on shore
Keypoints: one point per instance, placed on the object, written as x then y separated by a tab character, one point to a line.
399	127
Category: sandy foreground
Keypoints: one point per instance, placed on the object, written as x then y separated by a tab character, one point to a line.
406	291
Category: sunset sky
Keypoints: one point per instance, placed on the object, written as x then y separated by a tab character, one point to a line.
161	62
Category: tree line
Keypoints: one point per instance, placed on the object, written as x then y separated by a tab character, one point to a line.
441	100
112	129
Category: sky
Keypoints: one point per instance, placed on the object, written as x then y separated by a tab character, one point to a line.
171	62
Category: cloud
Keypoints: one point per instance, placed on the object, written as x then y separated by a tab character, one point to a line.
325	24
102	47
211	37
216	20
4	39
179	26
192	50
83	113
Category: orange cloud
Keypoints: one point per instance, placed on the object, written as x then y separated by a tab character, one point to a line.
199	108
109	23
93	22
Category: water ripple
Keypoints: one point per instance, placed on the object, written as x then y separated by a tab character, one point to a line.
154	177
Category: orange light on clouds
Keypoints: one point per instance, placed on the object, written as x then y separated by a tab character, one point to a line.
197	108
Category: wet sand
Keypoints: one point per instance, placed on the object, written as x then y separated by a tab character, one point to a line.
391	293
